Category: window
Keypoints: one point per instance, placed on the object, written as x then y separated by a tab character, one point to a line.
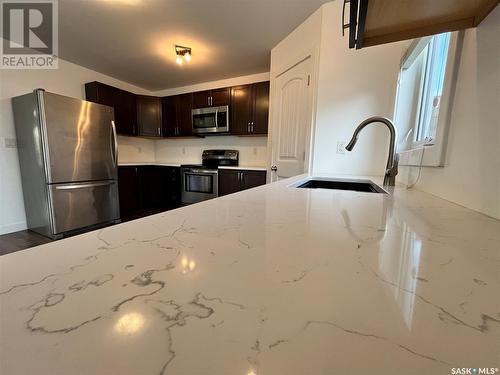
436	52
424	90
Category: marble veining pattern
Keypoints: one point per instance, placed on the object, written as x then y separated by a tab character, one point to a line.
273	280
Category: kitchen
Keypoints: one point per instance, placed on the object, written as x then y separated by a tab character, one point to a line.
320	253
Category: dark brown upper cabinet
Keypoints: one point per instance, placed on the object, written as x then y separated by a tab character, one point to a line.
250	109
384	21
211	98
169	115
149	116
260	108
123	102
185	122
241	109
177	115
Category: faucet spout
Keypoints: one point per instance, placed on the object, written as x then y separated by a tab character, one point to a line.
351	144
391	169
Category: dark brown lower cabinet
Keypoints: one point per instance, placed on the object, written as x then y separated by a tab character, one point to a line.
146	189
233	180
128	191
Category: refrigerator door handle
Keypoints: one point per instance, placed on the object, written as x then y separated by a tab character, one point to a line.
115	142
84	186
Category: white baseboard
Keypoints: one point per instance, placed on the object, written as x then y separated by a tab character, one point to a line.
9	228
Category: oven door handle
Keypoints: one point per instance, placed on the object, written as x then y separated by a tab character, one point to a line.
200	172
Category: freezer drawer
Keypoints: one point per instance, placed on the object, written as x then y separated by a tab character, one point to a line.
79	205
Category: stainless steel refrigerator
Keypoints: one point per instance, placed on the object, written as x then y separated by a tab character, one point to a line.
68	157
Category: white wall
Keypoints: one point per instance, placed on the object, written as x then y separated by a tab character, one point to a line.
253	150
471	176
352	86
68	80
301	42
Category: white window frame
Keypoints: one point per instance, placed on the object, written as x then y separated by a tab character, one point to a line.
435	150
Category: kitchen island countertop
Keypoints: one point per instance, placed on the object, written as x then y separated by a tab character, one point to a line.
273	280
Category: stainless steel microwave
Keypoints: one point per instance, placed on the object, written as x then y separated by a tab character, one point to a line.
211	120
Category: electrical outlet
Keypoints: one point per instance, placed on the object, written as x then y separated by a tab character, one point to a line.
341	147
255	150
183	151
10	142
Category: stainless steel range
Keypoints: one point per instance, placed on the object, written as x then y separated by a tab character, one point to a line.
200	182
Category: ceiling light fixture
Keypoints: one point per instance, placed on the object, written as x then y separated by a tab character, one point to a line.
183	53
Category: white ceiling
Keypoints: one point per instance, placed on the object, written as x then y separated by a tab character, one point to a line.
133	40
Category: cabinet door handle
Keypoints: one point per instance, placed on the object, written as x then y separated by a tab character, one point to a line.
159	131
253	127
248	127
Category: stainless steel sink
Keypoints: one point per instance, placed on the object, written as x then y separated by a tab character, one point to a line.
365	186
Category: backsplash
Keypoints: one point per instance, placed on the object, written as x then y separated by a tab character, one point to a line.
253	150
135	150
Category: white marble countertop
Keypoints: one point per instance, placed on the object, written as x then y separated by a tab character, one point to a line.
132	164
272	280
168	164
244	167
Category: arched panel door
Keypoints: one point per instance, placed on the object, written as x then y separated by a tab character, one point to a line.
292	121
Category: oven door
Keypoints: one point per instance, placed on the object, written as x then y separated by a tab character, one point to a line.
210	120
198	185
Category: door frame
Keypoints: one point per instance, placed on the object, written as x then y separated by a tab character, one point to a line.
313	54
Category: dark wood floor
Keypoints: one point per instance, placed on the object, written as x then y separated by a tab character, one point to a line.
21	240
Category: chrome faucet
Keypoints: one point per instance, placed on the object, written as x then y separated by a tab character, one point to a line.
391	169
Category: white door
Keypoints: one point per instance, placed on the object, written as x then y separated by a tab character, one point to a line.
292	116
